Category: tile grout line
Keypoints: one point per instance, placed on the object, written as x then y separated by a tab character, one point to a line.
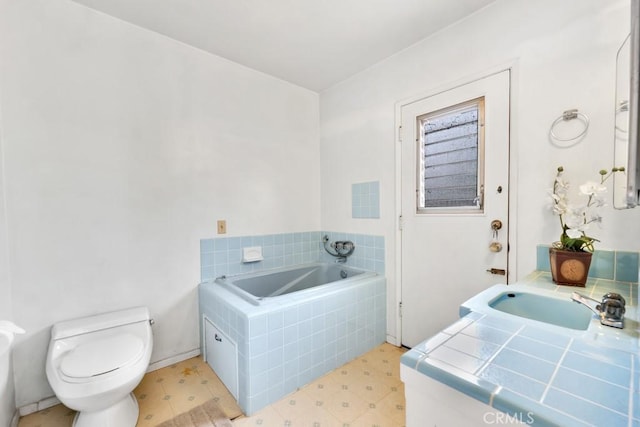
631	389
555	371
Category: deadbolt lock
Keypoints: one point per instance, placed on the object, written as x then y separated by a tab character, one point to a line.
496	224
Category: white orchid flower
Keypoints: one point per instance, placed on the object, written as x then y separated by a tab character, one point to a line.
592	188
574	233
560	207
575	220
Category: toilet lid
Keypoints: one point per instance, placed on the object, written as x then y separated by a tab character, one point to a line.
100	356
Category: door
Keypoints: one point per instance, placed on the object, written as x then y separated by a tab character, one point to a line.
454	201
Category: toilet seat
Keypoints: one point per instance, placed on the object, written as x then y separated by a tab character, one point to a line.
100	357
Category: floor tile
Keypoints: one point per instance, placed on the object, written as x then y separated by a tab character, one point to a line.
364	392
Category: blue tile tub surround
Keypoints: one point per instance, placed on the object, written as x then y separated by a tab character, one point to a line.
223	255
293	340
368	254
611	265
365	200
561	378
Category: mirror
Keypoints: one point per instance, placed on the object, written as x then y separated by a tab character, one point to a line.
626	192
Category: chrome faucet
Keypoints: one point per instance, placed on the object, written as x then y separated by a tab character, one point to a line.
610	310
340	249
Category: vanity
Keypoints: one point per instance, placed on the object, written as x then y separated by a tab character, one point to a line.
553	364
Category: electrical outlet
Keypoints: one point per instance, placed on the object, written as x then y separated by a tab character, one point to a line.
222	226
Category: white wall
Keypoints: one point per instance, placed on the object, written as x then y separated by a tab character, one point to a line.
6	312
564	56
7	388
121	150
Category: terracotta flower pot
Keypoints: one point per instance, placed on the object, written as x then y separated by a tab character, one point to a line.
569	267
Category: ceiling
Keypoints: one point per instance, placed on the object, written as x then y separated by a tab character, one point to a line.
313	44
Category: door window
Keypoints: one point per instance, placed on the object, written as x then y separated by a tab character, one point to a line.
450	160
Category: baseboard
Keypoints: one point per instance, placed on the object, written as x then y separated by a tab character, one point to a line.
393	340
15	419
173	360
38	406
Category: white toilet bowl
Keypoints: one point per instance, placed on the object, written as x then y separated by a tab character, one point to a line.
94	363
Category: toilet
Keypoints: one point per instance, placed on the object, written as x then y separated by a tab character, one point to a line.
94	363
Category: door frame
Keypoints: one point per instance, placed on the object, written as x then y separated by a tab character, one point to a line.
512	67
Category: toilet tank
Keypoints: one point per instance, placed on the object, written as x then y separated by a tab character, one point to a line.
84	325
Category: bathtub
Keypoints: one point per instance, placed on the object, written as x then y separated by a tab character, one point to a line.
265	287
266	334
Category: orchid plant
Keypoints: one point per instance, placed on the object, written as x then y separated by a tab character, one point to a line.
575	220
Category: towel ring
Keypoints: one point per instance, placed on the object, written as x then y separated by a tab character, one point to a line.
623	107
565	117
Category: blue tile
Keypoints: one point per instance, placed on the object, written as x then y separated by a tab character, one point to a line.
532	367
584	410
610	373
291	353
365	200
520	384
535	348
460	360
220	244
206	245
234	243
257	326
612	356
207	273
529	412
206	259
602	265
457	326
276	320
276	358
259	383
305	345
462	381
487	333
498	323
475	347
258	364
220	257
268	240
276	339
545	336
589	388
259	345
542	258
627	266
432	343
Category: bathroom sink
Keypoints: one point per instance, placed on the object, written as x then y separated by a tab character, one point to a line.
555	311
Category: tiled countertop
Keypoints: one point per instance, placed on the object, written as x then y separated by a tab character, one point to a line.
519	366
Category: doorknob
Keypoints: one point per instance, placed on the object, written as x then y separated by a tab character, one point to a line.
495	246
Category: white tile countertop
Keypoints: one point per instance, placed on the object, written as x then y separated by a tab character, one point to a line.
562	377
